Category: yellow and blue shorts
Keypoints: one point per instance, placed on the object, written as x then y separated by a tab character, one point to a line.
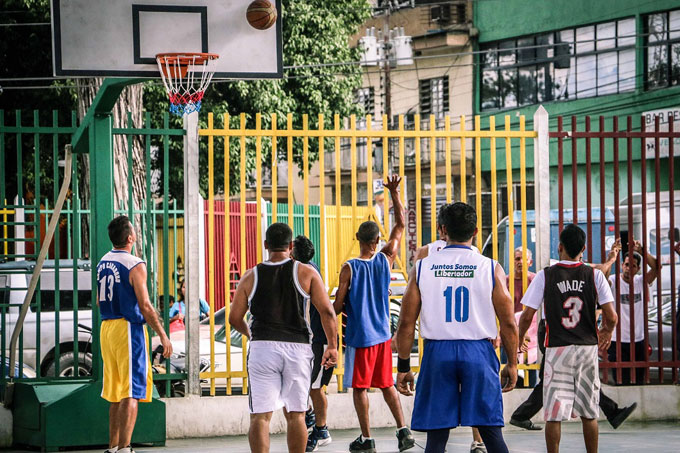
127	368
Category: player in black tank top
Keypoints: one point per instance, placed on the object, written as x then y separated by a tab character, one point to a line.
278	307
570	302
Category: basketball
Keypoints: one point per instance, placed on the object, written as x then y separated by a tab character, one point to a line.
261	14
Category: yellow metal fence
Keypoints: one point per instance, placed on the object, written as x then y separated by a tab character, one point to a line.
337	232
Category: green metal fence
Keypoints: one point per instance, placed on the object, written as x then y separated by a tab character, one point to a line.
30	177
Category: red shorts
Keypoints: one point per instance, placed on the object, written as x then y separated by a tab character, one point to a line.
369	367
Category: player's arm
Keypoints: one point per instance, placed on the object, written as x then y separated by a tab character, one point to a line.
606	267
609	318
392	247
504	308
239	306
421	253
653	271
320	300
138	282
525	321
343	287
410	309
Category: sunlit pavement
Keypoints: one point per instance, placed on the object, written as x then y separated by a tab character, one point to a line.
631	437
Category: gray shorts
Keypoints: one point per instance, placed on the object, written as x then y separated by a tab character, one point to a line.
571	383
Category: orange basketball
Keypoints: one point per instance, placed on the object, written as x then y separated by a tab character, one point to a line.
261	14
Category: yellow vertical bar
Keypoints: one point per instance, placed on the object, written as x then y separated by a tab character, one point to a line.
305	172
227	252
275	172
211	249
401	175
433	181
478	178
353	170
447	128
338	228
523	190
258	186
463	163
4	230
386	165
242	217
369	165
419	226
322	199
511	221
291	218
494	201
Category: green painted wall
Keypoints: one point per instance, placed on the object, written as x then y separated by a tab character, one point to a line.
500	19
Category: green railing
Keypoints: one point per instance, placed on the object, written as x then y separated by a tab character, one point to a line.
29	182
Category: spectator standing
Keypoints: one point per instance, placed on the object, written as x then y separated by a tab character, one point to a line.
631	266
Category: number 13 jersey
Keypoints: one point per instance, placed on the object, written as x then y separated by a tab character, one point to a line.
455	285
115	294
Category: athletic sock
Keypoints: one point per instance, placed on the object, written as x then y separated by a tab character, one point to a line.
365	438
493	439
436	440
403	427
321	427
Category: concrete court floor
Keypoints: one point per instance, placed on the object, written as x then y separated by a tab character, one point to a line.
631	437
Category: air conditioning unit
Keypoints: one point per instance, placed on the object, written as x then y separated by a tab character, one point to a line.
440	14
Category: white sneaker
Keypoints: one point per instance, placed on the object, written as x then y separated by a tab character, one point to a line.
477	447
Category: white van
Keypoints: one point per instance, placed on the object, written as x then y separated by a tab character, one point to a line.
14	279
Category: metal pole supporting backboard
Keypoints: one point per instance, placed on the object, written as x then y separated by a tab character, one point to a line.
542	187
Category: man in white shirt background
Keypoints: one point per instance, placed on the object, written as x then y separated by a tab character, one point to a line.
641	281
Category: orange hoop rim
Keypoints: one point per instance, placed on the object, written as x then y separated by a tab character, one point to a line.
186	58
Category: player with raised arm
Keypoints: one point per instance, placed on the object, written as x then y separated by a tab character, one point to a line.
363	291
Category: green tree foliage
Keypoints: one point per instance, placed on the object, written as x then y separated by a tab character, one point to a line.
315	32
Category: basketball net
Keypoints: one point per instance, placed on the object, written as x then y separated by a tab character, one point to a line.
186	76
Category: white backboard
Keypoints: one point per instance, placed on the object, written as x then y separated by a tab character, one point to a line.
120	38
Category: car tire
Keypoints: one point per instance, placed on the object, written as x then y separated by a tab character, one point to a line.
68	363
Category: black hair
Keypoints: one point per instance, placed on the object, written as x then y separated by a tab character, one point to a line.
440	214
636	255
573	239
119	230
368	232
278	237
460	220
303	249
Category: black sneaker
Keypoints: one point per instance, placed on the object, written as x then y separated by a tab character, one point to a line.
621	415
318	438
526	424
405	439
365	446
310	418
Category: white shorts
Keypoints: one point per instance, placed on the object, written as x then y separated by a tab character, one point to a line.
571	383
279	375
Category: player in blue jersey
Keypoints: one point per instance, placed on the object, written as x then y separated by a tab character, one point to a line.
363	292
458	294
125	307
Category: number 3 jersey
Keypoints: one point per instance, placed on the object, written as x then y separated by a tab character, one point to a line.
115	293
455	285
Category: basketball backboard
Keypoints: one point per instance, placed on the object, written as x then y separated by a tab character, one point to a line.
120	38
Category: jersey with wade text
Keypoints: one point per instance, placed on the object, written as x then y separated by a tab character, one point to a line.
456	286
570	298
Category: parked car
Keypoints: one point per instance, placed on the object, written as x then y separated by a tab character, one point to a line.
14	279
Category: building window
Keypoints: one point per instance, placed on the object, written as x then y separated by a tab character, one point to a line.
434	96
663	49
575	63
366	100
